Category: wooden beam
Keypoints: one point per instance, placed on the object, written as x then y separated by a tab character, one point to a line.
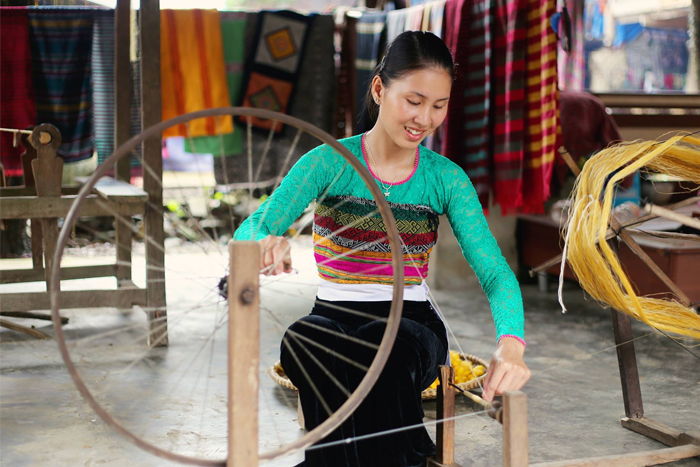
28	315
244	353
515	437
659	431
32	207
149	30
12	191
636	459
14	276
121	298
445	439
23	329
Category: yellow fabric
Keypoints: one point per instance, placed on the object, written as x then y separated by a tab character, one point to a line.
594	263
193	73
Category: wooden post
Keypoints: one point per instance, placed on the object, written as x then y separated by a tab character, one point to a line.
122	124
48	168
515	441
627	360
149	30
446	410
244	353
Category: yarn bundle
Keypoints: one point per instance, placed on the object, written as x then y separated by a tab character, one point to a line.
595	264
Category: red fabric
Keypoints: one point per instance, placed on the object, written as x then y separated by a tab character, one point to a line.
509	55
17	108
586	126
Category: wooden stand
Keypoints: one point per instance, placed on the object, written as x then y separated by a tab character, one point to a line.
244	353
44	203
445	456
684	445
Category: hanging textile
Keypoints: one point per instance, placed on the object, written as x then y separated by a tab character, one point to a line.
313	102
478	101
369	29
103	82
509	52
61	44
572	64
425	22
193	75
437	17
395	24
414	18
542	119
17	107
273	66
233	26
456	38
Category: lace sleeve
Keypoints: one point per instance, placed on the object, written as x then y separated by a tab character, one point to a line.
484	255
305	181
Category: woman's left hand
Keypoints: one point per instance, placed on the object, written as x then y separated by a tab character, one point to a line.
507	371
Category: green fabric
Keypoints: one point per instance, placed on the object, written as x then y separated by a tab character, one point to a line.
438	183
233	37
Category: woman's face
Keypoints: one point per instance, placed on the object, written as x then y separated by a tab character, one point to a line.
413	106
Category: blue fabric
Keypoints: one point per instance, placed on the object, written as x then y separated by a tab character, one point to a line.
626	33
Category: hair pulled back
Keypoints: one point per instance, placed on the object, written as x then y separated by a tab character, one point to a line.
409	52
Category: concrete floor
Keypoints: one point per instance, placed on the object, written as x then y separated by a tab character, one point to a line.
176	397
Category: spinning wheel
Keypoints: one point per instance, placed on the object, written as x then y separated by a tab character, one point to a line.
188	375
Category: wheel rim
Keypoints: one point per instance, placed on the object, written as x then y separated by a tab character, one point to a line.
393	320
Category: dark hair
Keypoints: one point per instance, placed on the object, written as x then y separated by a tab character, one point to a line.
410	51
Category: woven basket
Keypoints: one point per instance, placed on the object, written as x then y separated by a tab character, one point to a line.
278	376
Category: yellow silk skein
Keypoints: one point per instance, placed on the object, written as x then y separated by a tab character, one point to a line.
595	264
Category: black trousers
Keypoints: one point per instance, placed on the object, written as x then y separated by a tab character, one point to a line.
395	399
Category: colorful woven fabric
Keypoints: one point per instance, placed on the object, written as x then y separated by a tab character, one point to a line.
509	53
436	187
233	26
572	65
369	29
193	75
17	108
103	82
61	43
542	119
273	66
363	230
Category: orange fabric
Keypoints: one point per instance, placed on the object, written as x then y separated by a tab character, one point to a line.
193	74
267	93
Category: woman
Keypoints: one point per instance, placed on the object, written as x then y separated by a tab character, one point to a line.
408	98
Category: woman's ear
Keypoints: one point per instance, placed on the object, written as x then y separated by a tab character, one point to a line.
377	88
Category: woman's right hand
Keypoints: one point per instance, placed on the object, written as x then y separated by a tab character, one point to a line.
275	251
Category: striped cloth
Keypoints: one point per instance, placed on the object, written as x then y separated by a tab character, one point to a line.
193	75
542	119
17	108
61	43
369	29
477	96
103	83
510	53
233	26
457	39
572	65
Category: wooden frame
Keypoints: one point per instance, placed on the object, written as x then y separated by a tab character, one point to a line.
44	203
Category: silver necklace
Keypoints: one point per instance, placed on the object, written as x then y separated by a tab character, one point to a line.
391	184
